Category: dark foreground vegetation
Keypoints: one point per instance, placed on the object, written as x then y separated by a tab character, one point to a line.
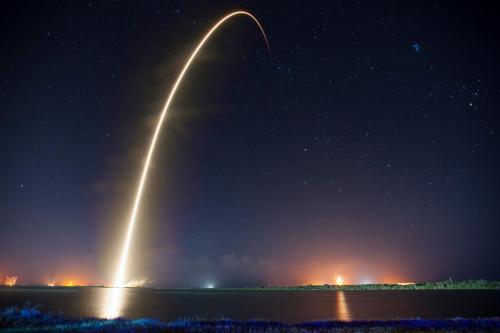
29	319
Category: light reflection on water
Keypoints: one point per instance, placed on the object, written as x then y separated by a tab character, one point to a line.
288	306
113	302
343	312
114	298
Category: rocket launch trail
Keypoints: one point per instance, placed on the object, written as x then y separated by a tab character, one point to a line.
113	303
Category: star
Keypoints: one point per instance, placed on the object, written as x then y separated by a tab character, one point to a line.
416	47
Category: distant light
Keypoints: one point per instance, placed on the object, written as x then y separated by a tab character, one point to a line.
51	284
210	285
366	281
10	280
417	47
405	283
339	280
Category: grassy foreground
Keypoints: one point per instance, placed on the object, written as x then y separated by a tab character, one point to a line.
29	319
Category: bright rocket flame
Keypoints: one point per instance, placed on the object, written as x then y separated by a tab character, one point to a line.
114	300
51	284
10	280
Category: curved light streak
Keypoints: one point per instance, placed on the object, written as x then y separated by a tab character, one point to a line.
112	306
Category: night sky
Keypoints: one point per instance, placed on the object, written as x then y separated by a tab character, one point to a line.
367	145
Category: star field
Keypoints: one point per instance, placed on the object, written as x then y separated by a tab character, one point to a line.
365	145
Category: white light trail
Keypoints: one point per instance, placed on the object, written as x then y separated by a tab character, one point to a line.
113	303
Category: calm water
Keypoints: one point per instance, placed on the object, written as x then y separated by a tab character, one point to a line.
273	305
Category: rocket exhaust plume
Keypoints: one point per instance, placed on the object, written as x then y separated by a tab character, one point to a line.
113	302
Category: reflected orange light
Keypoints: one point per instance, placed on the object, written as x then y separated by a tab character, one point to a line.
343	311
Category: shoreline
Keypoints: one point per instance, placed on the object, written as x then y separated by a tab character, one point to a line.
442	285
29	319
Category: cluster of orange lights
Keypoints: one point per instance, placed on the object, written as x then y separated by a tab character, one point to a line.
339	280
10	281
405	283
67	283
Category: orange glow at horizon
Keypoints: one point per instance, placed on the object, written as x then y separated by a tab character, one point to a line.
405	283
73	283
339	280
353	270
10	280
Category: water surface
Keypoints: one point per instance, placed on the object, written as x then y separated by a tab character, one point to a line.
288	306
